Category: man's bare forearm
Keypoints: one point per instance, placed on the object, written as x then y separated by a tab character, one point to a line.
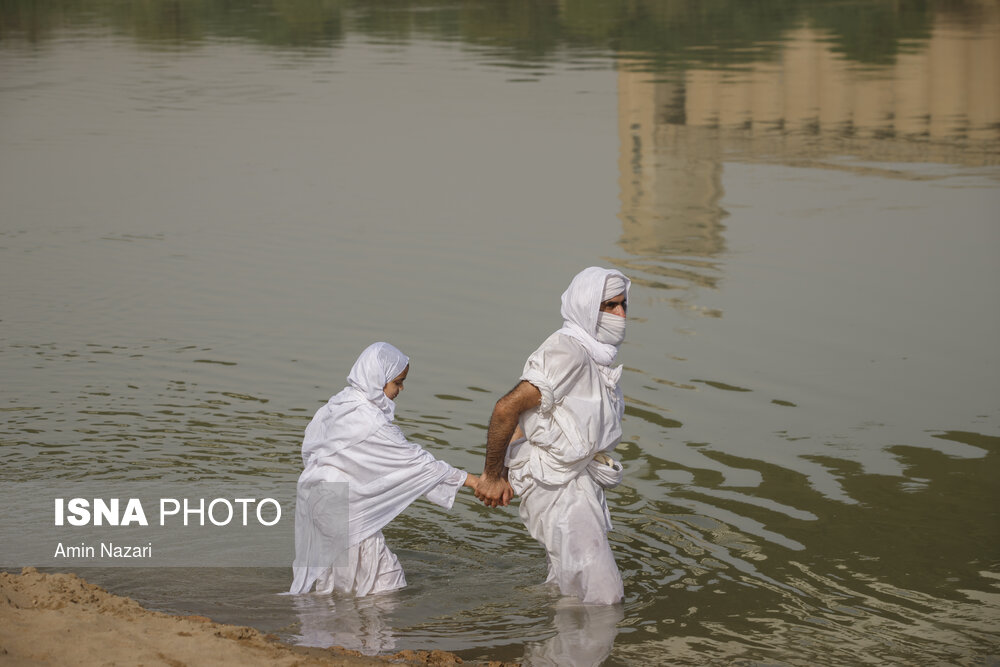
503	423
498	435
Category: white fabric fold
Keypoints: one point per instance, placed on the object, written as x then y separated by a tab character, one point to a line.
580	413
614	285
605	470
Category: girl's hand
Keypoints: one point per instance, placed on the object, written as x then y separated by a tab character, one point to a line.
472	481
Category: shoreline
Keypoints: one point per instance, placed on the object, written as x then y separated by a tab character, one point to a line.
61	619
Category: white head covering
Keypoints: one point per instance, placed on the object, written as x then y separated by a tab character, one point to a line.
614	284
361	408
581	305
377	365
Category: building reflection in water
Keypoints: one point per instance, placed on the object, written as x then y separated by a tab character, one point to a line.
939	101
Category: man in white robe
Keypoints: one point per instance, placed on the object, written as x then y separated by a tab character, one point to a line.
568	407
352	439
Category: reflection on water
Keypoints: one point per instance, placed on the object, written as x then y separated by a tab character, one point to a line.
584	636
806	104
209	212
357	624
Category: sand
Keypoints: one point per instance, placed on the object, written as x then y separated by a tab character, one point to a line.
60	619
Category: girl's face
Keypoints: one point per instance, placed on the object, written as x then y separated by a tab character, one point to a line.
395	385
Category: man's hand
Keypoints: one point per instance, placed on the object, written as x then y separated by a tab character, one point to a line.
494	491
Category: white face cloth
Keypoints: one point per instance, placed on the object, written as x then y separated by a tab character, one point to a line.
359	409
581	308
610	328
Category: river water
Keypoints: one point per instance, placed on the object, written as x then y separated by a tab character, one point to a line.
208	212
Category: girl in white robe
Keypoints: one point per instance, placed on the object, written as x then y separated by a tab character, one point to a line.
352	439
560	469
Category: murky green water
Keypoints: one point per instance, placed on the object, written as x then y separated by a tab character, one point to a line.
209	210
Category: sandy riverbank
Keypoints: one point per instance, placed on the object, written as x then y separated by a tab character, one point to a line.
60	619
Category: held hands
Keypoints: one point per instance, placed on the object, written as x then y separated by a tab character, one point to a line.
494	491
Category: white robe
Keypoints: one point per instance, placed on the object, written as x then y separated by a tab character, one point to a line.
384	474
352	440
554	472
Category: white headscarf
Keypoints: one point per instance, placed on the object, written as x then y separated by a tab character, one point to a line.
581	305
361	408
377	365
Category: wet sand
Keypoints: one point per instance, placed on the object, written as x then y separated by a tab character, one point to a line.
61	619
